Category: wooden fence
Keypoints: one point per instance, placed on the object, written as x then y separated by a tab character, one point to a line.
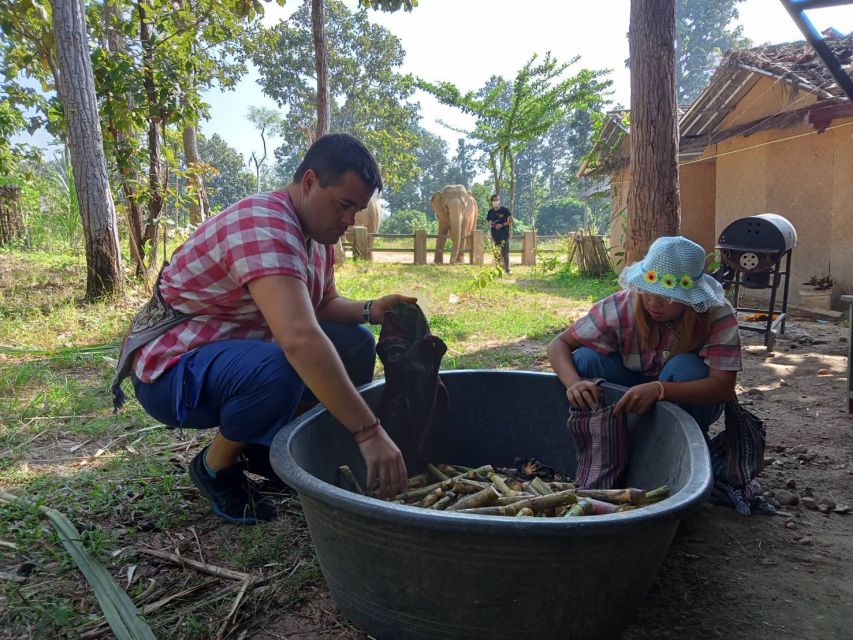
363	245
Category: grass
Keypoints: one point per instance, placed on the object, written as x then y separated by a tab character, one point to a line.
121	478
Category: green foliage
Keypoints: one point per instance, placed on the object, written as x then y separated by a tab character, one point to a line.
561	216
407	221
432	173
368	97
231	182
702	31
485	277
509	116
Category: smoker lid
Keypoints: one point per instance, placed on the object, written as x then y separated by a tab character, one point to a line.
763	233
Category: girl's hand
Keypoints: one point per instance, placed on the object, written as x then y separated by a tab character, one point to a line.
585	395
638	399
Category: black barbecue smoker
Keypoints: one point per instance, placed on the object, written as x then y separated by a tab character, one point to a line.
751	251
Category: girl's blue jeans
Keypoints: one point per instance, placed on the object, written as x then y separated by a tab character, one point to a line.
683	367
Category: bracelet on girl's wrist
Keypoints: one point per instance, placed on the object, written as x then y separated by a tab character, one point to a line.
366	433
661	395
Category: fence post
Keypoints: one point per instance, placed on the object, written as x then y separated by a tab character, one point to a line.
360	247
528	248
477	247
420	246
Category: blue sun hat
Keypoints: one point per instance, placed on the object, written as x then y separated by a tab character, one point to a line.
674	268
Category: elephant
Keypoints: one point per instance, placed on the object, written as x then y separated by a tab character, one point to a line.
456	210
369	217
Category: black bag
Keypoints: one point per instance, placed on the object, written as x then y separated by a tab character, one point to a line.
413	394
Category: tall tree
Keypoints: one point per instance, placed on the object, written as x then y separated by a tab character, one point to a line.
77	91
510	115
368	98
702	31
318	30
654	203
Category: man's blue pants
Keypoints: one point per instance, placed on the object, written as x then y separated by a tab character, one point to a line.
683	367
246	387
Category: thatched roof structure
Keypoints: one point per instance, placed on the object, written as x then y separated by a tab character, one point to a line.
795	65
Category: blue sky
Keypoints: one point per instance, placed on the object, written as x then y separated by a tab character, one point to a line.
465	42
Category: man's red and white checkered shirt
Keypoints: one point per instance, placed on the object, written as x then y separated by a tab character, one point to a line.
609	327
207	277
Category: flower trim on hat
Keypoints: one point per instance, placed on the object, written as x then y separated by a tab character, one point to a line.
686	282
650	276
668	281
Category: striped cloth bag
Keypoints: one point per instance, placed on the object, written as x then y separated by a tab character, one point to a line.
737	457
601	447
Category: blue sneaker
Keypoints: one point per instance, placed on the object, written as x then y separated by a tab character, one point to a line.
231	493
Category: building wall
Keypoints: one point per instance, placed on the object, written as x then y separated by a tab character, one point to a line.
697	181
841	239
620	181
805	177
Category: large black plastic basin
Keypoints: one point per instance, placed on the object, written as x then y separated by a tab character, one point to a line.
401	572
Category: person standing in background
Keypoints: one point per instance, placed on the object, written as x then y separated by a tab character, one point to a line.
500	226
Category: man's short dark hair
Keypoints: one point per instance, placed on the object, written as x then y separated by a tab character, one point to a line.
332	155
494	197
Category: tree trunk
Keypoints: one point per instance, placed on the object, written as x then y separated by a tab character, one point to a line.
155	195
318	27
11	220
654	204
123	147
199	205
85	143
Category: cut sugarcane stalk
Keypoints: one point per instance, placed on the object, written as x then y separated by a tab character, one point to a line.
526	512
436	473
582	508
483	498
626	496
656	495
433	497
347	473
417	481
540	487
600	507
537	503
500	484
445	501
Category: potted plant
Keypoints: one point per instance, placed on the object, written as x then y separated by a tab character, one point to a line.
817	292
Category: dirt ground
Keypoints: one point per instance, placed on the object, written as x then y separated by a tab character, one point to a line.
755	578
759	577
782	576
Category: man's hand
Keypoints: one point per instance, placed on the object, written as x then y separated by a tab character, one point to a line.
585	395
381	305
638	399
385	466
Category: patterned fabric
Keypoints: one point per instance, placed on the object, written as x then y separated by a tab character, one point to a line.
737	457
674	268
207	277
601	447
154	319
609	327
